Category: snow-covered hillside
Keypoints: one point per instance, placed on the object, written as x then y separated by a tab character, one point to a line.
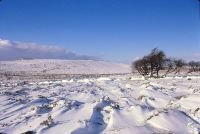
107	105
63	67
95	104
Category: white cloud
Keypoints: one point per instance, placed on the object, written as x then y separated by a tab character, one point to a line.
12	50
4	43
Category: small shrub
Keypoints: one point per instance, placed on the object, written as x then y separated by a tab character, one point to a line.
47	122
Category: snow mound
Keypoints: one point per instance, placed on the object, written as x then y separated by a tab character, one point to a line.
113	104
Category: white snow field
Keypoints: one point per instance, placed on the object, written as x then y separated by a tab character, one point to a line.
63	67
110	104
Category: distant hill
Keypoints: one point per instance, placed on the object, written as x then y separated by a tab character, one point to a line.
51	66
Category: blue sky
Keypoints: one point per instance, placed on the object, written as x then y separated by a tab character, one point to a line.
114	30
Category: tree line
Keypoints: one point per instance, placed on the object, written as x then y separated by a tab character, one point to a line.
156	61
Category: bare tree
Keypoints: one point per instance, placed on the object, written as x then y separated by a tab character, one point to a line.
157	60
142	66
151	64
169	66
194	66
179	63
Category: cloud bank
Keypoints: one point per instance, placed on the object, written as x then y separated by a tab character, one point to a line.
13	50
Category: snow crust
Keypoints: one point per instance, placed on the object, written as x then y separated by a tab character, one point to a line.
108	105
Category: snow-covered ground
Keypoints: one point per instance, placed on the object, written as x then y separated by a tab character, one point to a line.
62	67
110	104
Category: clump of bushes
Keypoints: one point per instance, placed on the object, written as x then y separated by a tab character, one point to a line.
151	64
156	61
194	66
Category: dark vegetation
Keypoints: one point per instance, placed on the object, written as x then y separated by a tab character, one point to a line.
156	61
